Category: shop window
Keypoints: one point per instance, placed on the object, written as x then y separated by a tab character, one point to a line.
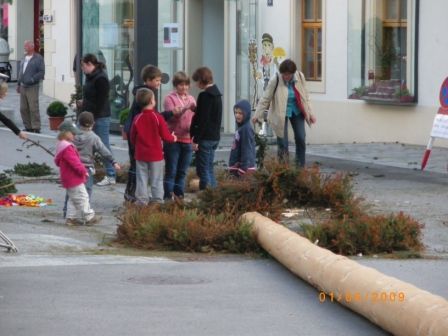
108	32
381	51
312	39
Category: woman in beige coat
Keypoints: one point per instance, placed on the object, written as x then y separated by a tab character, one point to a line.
286	97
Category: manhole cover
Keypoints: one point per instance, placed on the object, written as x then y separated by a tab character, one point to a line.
167	280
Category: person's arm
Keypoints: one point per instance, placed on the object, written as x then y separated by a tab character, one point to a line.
247	148
196	121
40	70
102	93
75	163
100	147
203	113
312	117
266	99
8	123
133	134
164	132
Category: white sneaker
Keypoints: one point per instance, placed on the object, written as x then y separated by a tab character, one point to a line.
107	180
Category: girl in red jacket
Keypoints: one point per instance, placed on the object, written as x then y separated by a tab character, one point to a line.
147	132
73	176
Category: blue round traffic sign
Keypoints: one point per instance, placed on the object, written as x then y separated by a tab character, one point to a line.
444	93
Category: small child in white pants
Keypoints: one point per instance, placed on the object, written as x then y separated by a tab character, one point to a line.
73	176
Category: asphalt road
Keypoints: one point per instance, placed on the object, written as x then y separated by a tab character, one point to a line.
70	281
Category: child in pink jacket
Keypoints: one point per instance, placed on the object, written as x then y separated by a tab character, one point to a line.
73	176
178	154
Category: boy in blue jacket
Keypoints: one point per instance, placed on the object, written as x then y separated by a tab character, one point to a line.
242	155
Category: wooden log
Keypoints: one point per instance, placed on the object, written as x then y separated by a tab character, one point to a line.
394	305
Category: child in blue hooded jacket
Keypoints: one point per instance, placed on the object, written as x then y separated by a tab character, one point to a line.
242	155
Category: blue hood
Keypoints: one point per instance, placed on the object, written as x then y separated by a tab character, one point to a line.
244	105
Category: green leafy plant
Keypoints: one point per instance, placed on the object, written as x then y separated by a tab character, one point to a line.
32	169
57	109
6	185
402	92
123	115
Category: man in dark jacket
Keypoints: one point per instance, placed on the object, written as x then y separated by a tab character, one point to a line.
31	73
242	155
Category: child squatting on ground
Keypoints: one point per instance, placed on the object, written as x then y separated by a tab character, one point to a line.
147	132
88	143
242	155
73	176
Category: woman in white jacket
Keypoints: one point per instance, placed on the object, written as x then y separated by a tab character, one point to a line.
286	97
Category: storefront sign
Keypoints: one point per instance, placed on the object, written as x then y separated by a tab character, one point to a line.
171	36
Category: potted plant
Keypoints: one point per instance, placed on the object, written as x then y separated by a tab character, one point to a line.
123	116
403	95
56	112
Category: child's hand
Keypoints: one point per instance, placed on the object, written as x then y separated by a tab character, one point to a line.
117	166
195	147
23	135
174	136
177	111
193	107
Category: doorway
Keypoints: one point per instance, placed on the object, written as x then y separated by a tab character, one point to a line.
205	38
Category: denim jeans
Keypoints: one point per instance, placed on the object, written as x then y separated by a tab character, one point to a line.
177	161
298	126
102	128
204	163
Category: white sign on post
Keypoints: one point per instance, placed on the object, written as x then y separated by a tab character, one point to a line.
171	35
440	126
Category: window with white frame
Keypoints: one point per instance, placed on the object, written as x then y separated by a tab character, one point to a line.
312	39
382	59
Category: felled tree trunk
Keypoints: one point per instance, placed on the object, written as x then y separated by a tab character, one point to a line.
403	309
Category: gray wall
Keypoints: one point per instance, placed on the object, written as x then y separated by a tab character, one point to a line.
213	39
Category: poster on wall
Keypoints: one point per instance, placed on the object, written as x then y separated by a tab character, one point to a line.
171	35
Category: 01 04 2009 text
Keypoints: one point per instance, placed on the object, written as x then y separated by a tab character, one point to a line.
374	297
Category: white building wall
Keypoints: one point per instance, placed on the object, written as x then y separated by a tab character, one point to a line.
433	48
341	120
59	49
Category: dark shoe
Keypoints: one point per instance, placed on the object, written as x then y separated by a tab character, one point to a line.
36	131
28	130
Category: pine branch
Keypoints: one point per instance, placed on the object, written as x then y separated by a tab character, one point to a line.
36	143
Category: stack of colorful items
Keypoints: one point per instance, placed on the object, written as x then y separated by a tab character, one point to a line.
24	200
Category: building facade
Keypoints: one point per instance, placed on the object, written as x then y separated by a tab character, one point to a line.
373	67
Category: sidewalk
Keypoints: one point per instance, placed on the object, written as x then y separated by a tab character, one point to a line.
387	154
